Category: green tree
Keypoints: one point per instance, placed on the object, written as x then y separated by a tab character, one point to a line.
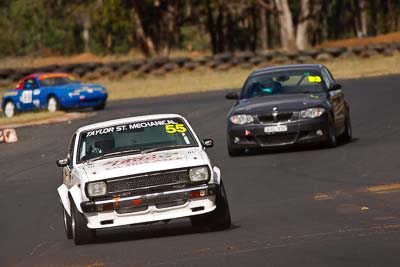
111	30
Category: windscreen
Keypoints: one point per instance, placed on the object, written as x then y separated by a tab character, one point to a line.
52	80
283	82
136	137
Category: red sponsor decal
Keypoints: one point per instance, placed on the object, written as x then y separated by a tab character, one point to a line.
144	159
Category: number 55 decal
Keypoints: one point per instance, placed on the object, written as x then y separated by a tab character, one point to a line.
175	128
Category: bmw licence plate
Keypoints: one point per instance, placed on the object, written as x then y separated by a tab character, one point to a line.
275	129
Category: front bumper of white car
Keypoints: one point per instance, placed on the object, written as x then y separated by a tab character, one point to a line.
150	207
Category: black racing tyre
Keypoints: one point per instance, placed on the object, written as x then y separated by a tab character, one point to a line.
332	140
81	234
100	107
191	65
67	223
52	104
348	132
9	109
199	221
220	218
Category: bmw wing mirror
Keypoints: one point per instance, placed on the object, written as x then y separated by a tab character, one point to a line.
232	96
62	162
207	143
335	87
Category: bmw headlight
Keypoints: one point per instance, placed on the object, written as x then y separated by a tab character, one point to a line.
311	113
198	174
241	119
97	189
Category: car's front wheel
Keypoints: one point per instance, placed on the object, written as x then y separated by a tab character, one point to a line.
9	109
52	104
81	234
332	140
67	223
218	219
348	132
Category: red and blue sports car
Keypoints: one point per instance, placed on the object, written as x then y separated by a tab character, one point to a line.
52	91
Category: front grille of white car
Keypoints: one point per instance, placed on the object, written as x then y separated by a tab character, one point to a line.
149	180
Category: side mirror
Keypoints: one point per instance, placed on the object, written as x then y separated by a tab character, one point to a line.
63	162
207	143
232	96
335	87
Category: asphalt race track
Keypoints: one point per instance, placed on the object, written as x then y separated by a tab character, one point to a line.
299	207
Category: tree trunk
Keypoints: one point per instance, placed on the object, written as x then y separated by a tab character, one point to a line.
286	25
355	7
145	41
220	30
211	27
230	35
303	25
363	17
86	32
168	14
254	28
374	18
324	23
264	27
337	15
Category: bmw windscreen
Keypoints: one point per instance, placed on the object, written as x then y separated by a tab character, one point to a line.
135	137
283	82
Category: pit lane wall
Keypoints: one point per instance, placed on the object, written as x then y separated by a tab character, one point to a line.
161	65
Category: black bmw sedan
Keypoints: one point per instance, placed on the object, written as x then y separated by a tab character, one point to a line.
288	105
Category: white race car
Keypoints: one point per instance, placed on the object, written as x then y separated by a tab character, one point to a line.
139	170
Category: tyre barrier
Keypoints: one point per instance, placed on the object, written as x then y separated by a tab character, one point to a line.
80	72
269	54
311	52
324	57
113	66
244	56
201	61
223	58
292	55
333	51
180	61
104	70
191	65
171	66
223	61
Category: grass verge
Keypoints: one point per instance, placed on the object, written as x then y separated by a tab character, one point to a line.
28	117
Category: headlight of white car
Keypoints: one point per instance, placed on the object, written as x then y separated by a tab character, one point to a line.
97	189
241	119
199	174
311	113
